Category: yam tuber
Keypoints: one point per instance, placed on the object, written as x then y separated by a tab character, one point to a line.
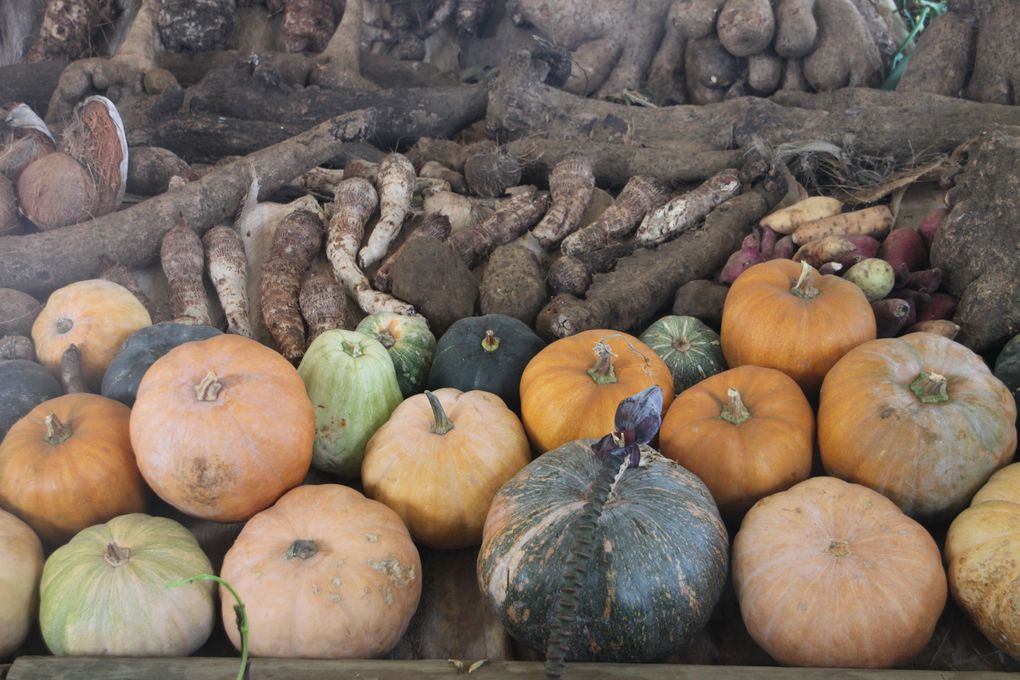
745	27
228	269
943	327
701	299
437	170
353	204
363	169
435	226
796	29
513	284
295	244
891	316
119	274
71	376
490	170
825	249
17	347
571	184
323	303
517	216
869	222
695	18
845	53
639	196
764	72
688	210
9	221
567	274
183	260
924	280
396	188
788	219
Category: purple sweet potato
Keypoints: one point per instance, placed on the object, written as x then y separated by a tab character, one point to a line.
904	245
831	268
783	250
891	316
924	280
741	260
767	239
930	225
919	301
864	247
940	306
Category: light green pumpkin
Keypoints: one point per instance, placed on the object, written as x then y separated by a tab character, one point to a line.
353	387
105	593
689	347
409	342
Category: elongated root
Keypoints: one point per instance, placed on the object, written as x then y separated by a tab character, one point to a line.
295	243
183	258
396	188
228	269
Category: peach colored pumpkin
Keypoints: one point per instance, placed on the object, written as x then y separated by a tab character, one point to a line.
440	470
21	565
834	574
324	573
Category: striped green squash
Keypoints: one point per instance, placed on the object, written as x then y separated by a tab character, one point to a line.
105	593
409	342
689	347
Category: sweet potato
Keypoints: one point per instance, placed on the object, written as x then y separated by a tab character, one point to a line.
929	226
904	246
864	247
874	276
796	29
742	260
825	249
940	306
891	316
745	27
783	249
874	221
788	219
830	268
942	327
767	239
924	280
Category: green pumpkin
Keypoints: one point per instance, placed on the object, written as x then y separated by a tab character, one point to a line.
23	386
658	560
1007	367
105	593
486	353
689	347
409	342
353	387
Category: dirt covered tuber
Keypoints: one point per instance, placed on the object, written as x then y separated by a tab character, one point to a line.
296	241
567	274
490	170
571	184
435	226
432	276
689	209
323	303
746	27
228	271
845	53
513	284
701	299
639	196
508	223
17	347
151	167
9	221
437	170
183	260
395	190
17	312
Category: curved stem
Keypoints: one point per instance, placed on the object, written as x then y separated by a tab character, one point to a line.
802	287
239	610
734	412
602	371
490	343
930	388
117	556
209	388
441	422
56	431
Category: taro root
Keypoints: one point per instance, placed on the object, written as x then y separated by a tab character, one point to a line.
489	171
9	221
17	312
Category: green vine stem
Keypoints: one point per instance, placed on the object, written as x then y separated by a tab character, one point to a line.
917	22
239	610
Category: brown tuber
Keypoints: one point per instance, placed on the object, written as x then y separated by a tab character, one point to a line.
17	347
435	226
119	274
571	184
396	188
323	303
437	170
490	170
9	221
228	271
513	284
150	169
17	312
745	27
518	215
639	196
568	274
701	299
688	210
183	260
56	191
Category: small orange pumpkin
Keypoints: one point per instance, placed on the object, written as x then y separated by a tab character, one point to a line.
97	316
222	427
571	389
439	460
68	464
746	432
785	315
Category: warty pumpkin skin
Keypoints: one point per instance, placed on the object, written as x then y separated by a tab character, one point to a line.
660	554
983	552
571	389
21	564
68	464
97	316
105	593
834	574
222	427
918	418
441	481
785	315
746	432
325	574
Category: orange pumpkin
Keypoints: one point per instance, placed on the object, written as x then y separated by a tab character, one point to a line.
834	574
919	418
785	315
68	464
439	460
222	427
97	316
746	432
21	565
324	573
571	389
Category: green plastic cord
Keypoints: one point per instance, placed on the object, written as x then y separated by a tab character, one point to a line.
917	16
242	615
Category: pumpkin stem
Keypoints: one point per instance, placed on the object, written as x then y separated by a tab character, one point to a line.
838	548
385	338
442	423
602	371
64	325
209	388
930	388
801	287
56	431
302	549
734	412
682	344
353	349
490	343
116	556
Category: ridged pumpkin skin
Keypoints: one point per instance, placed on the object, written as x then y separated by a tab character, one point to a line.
983	552
97	316
325	574
141	350
741	461
78	471
834	574
441	484
561	402
765	324
21	564
222	453
352	383
690	348
658	567
409	343
98	600
23	385
486	353
929	458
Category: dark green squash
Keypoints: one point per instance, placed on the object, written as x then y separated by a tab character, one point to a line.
141	350
409	343
1007	367
485	353
658	561
23	386
689	347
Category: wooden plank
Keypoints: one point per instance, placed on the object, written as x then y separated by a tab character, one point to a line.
198	668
